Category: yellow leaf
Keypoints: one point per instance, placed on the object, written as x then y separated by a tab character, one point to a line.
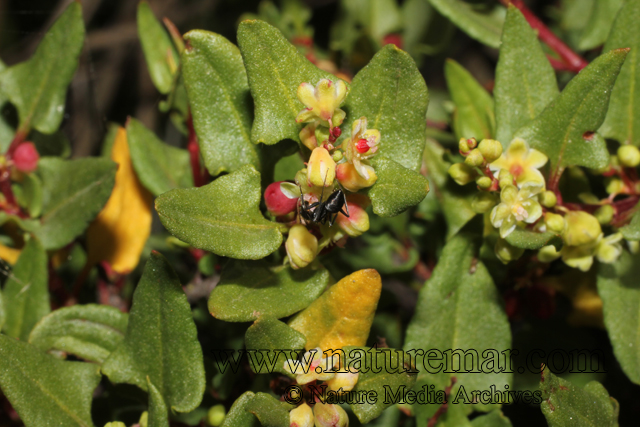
8	254
120	231
342	316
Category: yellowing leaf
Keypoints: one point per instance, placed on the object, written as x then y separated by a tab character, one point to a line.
342	316
121	229
8	254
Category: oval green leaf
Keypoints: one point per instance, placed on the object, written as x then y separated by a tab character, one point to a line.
161	342
267	342
238	416
484	27
90	332
222	217
248	290
220	101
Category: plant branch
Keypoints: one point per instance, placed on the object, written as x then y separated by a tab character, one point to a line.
199	177
573	61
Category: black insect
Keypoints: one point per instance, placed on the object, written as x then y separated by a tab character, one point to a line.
320	211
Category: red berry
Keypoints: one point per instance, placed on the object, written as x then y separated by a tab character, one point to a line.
362	146
336	132
278	203
26	157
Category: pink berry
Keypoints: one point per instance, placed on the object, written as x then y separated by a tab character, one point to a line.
278	203
26	157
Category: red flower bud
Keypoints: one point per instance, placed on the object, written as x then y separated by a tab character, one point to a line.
277	202
26	157
362	146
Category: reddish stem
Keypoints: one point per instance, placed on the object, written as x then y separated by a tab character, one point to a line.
199	175
18	139
443	408
574	62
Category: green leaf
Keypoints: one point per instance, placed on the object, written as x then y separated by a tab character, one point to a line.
599	26
159	52
460	308
619	289
396	189
564	404
38	87
527	239
158	412
623	117
391	93
474	116
32	194
484	27
3	314
525	80
372	378
161	342
631	231
222	217
492	419
45	390
218	91
90	332
268	410
26	293
270	334
74	192
248	290
160	167
238	416
566	129
275	69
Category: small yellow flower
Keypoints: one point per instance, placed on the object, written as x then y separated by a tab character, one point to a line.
522	162
312	367
516	205
362	145
322	102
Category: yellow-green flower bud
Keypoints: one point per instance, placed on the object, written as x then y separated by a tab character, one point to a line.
548	199
491	149
548	254
115	424
337	156
484	202
321	169
484	182
329	415
629	156
614	186
580	228
215	415
302	416
343	380
505	178
301	246
462	173
357	222
554	222
604	214
474	158
505	252
144	419
463	146
472	143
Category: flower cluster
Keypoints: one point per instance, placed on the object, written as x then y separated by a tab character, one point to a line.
309	371
523	202
321	206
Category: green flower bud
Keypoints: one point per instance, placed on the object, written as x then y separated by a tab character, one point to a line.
301	246
462	173
505	178
548	199
484	182
604	214
491	149
472	143
505	252
548	254
215	415
484	202
144	419
580	228
337	156
629	156
614	186
115	424
329	415
474	158
554	222
463	146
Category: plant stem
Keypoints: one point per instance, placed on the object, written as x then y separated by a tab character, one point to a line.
199	177
573	61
